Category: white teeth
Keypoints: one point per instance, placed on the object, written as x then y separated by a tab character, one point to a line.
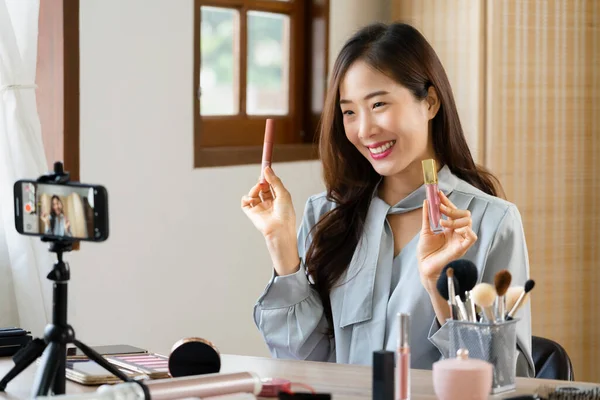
383	148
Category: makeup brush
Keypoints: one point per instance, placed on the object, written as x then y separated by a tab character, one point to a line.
478	309
484	295
458	303
502	283
512	294
451	291
470	306
465	273
521	300
442	285
443	288
462	309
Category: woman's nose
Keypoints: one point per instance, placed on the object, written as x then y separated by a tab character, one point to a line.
367	127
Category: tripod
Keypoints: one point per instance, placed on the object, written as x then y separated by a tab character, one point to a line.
51	374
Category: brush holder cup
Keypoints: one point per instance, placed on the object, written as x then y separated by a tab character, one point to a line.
495	343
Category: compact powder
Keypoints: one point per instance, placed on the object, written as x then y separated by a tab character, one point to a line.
194	356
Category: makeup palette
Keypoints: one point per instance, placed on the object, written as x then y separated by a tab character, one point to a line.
154	365
87	372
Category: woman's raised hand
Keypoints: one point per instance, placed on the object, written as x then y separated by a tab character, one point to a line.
269	207
434	252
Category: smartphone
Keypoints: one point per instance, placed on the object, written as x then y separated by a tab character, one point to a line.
61	211
87	372
110	350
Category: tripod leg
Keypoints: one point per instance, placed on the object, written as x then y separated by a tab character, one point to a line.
23	359
94	356
60	377
47	371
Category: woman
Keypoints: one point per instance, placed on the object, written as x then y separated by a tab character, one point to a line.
56	223
364	251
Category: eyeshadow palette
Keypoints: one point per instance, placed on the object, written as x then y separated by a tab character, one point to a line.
87	372
156	366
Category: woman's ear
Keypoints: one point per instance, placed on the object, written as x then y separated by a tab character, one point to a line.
433	102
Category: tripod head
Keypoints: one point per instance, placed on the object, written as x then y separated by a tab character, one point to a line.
57	245
58	176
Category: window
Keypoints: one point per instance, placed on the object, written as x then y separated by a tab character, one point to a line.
253	60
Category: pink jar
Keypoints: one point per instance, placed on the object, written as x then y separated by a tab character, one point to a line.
462	378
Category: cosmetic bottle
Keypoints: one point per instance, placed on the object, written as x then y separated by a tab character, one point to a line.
453	378
433	198
383	375
403	357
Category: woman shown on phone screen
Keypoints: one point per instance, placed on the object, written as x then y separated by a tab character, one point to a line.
365	251
56	223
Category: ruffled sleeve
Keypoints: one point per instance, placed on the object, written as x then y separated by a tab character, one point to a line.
289	314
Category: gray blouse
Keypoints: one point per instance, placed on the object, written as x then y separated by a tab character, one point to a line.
376	286
59	227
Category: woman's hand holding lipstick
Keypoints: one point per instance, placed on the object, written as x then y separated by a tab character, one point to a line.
434	252
269	207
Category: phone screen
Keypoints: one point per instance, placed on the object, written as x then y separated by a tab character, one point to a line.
108	350
62	211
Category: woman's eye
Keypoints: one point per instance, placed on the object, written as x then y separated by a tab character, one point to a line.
348	112
379	104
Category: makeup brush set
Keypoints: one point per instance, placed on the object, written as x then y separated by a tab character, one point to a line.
483	318
562	393
480	302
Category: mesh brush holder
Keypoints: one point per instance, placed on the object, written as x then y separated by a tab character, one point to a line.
495	343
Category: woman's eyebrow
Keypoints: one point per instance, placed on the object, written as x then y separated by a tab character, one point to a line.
367	97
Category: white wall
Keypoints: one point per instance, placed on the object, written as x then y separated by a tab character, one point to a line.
182	259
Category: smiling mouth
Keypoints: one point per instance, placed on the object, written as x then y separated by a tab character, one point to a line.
381	149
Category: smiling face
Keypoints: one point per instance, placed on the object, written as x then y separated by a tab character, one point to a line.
57	206
384	120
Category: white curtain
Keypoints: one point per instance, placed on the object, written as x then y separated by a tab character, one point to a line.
24	261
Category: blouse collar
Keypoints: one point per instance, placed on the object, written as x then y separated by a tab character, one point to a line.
447	182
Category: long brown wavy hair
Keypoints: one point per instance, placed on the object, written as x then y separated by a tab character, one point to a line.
402	53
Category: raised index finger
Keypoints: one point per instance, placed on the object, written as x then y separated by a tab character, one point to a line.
454	213
446	201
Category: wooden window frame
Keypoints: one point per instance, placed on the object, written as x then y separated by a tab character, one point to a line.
57	80
295	140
